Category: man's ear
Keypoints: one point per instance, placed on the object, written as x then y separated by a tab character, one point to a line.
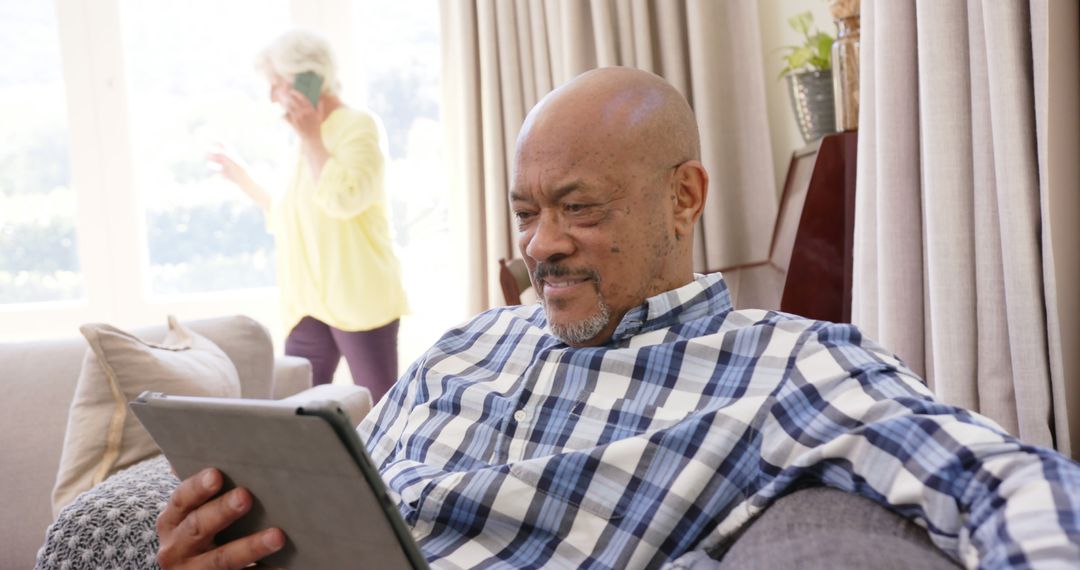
691	188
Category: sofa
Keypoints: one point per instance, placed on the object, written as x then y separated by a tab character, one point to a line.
809	528
37	383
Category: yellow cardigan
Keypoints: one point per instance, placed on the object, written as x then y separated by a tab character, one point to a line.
335	258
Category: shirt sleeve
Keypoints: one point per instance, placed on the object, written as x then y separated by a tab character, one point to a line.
853	417
351	180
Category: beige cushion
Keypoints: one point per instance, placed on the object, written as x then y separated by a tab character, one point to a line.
102	435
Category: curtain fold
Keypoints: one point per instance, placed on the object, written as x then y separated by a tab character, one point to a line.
951	266
501	57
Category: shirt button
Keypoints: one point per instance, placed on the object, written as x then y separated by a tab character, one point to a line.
521	415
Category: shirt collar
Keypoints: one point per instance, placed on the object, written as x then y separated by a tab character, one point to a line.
705	295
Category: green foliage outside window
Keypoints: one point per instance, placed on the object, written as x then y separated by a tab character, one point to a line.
209	247
205	247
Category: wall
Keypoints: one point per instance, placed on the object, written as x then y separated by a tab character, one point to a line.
775	33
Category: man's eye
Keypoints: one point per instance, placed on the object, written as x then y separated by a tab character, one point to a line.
522	216
575	208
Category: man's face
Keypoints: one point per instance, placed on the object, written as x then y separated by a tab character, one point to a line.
595	231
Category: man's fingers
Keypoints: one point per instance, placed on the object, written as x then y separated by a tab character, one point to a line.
242	552
200	526
190	495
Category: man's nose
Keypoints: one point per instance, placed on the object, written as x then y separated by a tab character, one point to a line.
550	240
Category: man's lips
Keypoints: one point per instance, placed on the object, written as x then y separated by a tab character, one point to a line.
556	281
563	282
554	288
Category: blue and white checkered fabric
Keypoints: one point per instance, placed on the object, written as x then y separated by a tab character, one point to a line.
505	447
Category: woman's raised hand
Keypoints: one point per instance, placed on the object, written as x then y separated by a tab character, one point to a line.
228	163
222	159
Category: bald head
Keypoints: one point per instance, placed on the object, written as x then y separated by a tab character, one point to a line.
607	188
619	108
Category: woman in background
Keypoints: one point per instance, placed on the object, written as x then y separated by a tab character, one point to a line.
339	278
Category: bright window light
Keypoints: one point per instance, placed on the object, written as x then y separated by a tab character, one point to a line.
38	250
192	84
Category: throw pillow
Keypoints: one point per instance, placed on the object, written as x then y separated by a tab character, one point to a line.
102	435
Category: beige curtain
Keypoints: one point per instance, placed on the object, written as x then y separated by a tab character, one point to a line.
502	56
966	215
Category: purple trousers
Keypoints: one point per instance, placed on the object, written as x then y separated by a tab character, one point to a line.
372	355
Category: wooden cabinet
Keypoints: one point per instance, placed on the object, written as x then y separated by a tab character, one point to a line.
809	268
818	283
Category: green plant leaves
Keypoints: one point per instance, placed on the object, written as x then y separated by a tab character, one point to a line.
798	58
823	55
801	22
815	53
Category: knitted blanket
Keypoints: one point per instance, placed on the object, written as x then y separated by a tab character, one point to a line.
113	524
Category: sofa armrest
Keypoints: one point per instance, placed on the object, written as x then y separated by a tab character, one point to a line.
292	375
292	381
355	401
819	527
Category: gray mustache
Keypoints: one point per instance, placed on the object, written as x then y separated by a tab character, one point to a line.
544	270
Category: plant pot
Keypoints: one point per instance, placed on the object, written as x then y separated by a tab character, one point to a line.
812	100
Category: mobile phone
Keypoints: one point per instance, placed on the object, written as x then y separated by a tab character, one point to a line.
309	84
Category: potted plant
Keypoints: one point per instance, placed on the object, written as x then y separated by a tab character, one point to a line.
808	70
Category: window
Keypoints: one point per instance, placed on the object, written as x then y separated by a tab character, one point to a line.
397	48
139	90
192	84
38	249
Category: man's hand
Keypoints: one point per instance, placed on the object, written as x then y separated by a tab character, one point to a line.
187	526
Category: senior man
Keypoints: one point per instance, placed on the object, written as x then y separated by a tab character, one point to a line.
634	416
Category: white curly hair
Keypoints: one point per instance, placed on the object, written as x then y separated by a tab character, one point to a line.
298	51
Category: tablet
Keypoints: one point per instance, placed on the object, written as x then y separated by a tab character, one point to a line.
305	467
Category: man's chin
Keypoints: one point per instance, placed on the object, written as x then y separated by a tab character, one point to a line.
579	331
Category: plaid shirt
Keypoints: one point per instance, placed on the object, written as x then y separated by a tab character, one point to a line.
505	447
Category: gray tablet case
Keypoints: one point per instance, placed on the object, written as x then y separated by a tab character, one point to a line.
305	467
